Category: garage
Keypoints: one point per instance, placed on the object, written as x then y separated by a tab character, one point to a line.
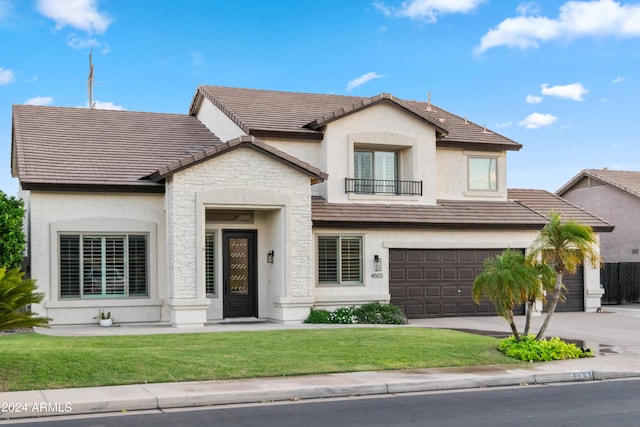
438	283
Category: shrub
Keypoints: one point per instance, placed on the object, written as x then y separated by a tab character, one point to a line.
529	349
343	315
376	313
372	313
16	296
318	316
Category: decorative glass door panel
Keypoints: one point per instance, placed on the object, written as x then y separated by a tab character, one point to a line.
239	273
238	266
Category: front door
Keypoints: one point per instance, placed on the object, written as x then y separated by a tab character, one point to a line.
239	273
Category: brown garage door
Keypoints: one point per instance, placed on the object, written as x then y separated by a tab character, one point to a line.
574	292
437	282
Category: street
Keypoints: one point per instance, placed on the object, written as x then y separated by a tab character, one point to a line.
578	404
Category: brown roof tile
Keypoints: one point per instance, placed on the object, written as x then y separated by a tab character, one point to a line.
247	141
628	181
255	111
544	202
529	209
58	145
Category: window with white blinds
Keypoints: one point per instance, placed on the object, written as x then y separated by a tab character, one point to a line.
103	266
340	260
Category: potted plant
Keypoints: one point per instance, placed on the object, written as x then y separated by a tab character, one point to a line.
104	317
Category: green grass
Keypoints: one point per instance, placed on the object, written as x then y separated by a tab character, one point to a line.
32	361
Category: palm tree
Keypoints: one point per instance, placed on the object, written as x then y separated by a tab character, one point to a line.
16	296
563	245
508	280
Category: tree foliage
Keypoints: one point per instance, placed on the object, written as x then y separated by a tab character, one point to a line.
510	279
11	234
564	245
16	296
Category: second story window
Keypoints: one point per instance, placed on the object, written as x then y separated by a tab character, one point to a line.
483	175
376	172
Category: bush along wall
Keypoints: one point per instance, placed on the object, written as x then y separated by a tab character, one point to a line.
372	313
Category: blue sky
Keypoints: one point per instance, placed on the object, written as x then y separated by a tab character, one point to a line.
562	78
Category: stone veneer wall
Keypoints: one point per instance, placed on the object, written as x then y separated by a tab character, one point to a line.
248	177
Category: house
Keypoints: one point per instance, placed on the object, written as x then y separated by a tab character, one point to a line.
613	195
263	204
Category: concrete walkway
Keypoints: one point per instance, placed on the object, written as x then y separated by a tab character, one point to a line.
613	335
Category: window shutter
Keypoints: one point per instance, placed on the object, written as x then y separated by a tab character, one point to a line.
69	266
351	259
138	266
210	263
327	259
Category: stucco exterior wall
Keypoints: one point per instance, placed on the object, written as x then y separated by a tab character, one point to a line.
379	242
241	179
218	122
453	175
387	127
620	209
51	214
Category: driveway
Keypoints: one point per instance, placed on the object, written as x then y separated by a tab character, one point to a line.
615	330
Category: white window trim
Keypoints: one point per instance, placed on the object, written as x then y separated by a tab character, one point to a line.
339	283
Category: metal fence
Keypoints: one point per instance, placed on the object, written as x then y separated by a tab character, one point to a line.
621	282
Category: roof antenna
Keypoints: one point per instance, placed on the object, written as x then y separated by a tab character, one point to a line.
429	103
92	104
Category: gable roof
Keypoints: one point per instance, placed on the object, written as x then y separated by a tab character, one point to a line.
244	141
83	147
78	148
628	181
525	209
303	115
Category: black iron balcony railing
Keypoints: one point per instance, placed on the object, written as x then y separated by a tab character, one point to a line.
379	186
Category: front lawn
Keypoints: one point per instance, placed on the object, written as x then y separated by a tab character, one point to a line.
32	361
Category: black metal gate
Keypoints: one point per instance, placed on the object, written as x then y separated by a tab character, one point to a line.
621	282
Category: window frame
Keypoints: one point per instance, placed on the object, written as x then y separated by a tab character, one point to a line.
364	188
132	260
339	261
492	183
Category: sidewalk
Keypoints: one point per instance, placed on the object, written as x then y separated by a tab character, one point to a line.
622	363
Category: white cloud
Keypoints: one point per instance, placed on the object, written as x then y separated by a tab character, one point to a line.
503	125
573	91
576	19
530	8
532	99
618	79
39	100
359	81
6	76
537	120
81	43
79	14
428	10
101	105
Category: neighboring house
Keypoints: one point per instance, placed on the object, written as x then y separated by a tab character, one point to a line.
613	195
263	204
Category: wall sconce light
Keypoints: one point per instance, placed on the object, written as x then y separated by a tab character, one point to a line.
377	263
270	256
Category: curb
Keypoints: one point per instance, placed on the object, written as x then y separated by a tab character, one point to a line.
112	399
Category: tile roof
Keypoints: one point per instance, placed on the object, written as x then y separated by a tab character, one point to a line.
628	181
244	141
58	145
525	209
256	111
544	202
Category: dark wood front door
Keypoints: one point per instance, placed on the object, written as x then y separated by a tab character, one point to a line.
239	274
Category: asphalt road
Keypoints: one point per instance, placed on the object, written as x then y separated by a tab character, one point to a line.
580	404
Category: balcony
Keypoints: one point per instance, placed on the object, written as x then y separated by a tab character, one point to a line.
383	187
